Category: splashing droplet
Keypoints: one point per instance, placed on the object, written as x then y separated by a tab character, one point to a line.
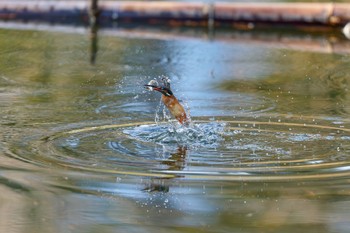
153	82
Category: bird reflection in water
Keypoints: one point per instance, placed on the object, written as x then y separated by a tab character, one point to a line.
176	162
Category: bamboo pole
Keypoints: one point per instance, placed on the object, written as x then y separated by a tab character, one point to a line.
180	13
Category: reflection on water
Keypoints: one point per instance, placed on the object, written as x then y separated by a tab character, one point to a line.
80	151
302	86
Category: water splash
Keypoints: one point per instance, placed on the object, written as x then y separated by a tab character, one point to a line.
194	135
208	135
151	83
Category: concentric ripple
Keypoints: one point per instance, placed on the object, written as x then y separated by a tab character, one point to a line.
243	149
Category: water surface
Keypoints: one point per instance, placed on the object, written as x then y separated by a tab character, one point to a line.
85	148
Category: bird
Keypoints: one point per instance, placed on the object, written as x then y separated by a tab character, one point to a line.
169	100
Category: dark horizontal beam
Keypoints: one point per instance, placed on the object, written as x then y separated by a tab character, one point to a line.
317	43
182	13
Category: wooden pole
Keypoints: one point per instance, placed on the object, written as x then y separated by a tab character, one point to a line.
94	16
180	13
94	11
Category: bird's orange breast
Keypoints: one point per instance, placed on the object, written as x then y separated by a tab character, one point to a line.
175	108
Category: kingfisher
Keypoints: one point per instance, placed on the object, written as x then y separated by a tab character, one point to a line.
169	100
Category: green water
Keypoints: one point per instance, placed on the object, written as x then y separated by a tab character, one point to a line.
75	151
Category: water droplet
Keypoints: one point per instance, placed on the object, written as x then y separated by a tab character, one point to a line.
72	142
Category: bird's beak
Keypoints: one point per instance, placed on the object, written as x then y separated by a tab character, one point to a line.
152	87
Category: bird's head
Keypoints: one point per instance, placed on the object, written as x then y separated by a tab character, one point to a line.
164	90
